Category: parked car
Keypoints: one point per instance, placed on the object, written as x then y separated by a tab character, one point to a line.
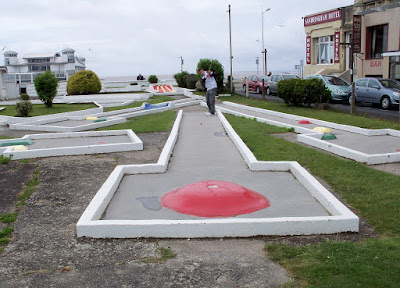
385	92
340	89
255	83
275	78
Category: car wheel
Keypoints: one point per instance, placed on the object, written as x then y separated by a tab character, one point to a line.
349	100
258	90
244	88
385	102
268	92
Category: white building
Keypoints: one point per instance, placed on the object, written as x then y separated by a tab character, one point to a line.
63	64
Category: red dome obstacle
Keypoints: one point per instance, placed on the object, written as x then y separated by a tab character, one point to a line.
214	199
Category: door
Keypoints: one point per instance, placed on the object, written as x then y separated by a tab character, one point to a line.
361	90
373	91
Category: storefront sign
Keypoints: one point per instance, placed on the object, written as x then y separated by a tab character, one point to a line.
323	18
308	50
356	40
336	48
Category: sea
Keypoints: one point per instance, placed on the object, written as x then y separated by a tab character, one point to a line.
170	77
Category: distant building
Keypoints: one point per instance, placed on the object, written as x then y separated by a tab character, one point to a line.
63	64
376	29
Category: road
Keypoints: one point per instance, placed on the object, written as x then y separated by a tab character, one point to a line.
362	108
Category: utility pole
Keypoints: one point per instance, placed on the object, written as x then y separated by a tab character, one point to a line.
230	46
265	61
181	63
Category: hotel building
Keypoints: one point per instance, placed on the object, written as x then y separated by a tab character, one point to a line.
371	28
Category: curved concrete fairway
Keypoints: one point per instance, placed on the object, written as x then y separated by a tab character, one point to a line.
201	154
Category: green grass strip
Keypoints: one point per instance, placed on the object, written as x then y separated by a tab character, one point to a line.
8	218
374	194
152	100
370	263
41	109
326	115
29	188
158	122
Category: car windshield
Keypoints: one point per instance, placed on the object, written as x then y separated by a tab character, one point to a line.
388	83
266	78
289	77
335	81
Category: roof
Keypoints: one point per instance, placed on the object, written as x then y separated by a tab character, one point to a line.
39	55
68	50
9	52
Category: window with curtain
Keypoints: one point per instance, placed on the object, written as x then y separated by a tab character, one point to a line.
377	37
324	50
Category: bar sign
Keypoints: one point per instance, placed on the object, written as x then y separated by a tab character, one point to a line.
356	39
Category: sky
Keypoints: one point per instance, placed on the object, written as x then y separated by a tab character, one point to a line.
127	37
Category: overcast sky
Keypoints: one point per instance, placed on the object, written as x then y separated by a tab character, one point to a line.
127	37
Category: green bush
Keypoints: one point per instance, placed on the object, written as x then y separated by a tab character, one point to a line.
24	96
299	92
153	79
200	87
23	108
180	78
213	65
191	80
83	82
46	87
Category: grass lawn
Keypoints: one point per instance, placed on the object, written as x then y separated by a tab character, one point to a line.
40	109
373	194
152	100
326	115
159	122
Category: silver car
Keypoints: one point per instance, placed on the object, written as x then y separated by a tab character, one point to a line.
275	78
385	92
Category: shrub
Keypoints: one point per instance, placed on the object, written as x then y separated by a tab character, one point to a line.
153	79
191	80
46	87
83	82
23	108
213	65
200	87
24	96
180	78
298	92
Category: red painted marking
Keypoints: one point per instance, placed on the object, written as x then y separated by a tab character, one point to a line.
101	142
398	150
214	199
304	122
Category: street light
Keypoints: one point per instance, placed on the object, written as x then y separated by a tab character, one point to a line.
262	39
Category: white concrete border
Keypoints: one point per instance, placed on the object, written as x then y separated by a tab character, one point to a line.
39	124
313	138
136	144
91	225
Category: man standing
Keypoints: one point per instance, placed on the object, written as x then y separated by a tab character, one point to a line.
208	78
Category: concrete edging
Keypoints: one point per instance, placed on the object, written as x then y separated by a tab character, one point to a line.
136	144
91	225
310	137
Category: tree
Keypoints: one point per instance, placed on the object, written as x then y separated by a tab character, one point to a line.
213	65
46	87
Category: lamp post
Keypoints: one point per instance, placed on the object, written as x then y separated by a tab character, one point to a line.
230	46
257	61
262	39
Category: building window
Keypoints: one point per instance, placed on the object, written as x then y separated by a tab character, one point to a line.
377	37
324	50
